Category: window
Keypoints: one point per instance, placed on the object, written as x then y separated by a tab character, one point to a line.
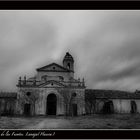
44	77
61	78
28	93
53	68
68	65
52	84
73	94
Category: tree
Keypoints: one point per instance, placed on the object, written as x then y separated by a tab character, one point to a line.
67	100
90	100
30	96
34	98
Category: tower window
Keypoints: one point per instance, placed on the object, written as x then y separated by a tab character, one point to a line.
68	65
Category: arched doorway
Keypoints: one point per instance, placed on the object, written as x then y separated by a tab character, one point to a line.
51	104
133	107
27	109
108	107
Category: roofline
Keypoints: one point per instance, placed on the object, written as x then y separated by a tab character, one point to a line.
15	97
55	71
67	70
109	90
121	98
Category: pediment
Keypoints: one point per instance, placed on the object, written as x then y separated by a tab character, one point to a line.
52	84
53	67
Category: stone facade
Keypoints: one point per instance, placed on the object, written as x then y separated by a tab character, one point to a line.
55	91
52	91
111	101
8	103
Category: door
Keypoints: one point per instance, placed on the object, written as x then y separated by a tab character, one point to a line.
133	107
51	104
27	109
74	108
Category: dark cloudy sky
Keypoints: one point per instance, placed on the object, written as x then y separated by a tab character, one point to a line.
105	45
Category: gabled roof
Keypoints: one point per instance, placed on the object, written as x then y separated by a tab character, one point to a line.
8	94
50	82
49	68
111	94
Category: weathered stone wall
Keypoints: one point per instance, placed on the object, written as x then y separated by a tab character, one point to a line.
23	98
7	106
80	100
119	106
138	105
69	99
65	75
38	100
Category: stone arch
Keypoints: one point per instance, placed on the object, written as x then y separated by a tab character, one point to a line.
108	107
51	104
133	107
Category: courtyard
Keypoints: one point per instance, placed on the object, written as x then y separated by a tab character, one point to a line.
114	121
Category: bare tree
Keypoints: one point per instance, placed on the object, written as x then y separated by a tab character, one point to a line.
67	99
90	100
31	97
34	98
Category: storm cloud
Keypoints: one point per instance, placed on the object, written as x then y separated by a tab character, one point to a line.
104	43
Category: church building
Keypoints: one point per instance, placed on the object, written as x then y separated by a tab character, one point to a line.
52	91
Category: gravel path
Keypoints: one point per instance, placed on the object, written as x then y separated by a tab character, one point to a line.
51	124
123	121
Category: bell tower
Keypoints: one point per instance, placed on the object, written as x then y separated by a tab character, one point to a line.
68	62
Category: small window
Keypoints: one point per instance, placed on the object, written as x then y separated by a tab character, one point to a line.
53	68
52	84
44	77
61	78
28	93
74	95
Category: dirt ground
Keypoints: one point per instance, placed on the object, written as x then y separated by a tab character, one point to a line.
116	121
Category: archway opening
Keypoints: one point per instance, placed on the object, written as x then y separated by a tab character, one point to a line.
68	65
133	107
51	104
108	107
27	109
